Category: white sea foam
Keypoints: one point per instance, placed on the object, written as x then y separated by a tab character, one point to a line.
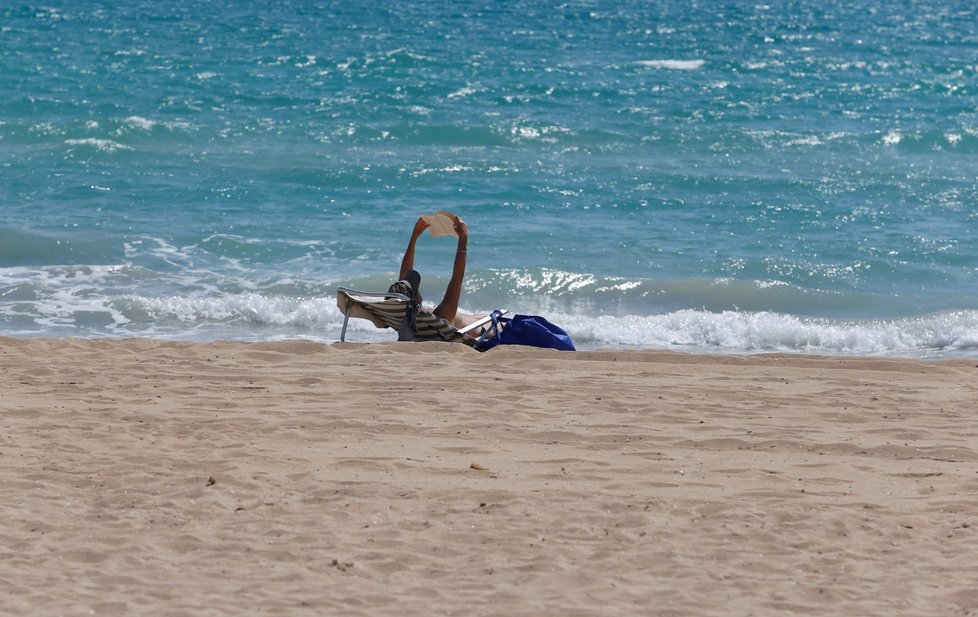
806	140
447	169
46	128
102	145
462	92
547	134
107	301
740	332
675	65
892	138
246	308
140	122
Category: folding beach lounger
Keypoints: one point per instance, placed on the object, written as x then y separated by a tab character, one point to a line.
396	310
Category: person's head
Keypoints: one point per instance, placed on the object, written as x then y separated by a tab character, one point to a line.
414	280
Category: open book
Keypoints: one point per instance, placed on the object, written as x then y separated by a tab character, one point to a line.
442	223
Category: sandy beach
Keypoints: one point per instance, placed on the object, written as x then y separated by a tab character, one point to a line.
143	477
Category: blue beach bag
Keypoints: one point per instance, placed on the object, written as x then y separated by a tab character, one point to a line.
531	330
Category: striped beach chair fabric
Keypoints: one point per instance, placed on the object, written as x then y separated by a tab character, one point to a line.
397	310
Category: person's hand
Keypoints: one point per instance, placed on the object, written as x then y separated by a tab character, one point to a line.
419	227
461	229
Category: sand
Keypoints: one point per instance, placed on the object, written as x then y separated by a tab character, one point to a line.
143	477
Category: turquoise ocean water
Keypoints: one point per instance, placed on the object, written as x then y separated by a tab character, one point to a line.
706	176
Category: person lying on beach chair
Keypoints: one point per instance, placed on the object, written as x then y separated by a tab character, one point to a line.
530	330
447	309
396	309
401	309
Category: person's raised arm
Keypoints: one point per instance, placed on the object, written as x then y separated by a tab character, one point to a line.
448	308
407	262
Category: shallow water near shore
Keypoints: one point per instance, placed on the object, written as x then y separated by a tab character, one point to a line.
749	178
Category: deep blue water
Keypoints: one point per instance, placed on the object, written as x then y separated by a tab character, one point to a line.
703	176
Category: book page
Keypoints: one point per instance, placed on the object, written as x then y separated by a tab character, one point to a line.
442	223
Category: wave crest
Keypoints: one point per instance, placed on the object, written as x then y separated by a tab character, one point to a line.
675	65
